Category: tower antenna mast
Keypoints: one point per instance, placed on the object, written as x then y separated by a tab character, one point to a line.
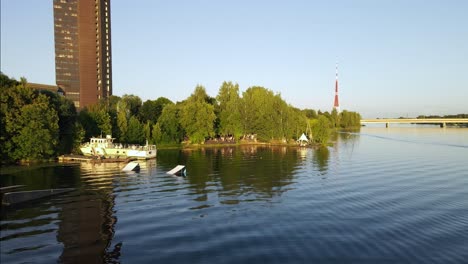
336	104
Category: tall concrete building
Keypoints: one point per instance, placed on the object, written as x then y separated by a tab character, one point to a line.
83	65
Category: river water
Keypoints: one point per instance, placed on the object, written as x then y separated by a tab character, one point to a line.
381	195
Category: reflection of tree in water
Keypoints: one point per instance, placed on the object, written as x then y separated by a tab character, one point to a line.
320	158
346	140
349	135
343	140
246	173
42	176
345	136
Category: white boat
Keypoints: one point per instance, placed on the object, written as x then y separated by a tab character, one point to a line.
105	147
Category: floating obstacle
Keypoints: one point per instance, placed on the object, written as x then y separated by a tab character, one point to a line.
132	166
11	198
178	170
10	188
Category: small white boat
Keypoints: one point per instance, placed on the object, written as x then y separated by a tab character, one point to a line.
105	147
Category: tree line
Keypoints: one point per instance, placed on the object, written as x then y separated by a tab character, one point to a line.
38	125
445	116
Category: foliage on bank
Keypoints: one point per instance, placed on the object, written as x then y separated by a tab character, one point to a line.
35	125
39	125
445	116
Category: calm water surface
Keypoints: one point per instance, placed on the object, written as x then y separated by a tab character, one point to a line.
396	195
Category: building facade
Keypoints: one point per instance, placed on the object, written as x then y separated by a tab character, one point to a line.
83	65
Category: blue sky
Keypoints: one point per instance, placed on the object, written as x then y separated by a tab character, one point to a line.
395	58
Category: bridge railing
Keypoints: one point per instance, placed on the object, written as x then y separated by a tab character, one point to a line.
441	121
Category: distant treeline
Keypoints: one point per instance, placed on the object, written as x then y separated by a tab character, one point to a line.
38	125
445	116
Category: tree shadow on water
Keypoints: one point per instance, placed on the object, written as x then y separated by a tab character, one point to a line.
320	159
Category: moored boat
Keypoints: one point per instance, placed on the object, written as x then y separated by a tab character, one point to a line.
105	147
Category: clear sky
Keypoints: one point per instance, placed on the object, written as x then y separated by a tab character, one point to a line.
395	58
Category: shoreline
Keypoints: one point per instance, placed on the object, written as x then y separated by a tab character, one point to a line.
76	158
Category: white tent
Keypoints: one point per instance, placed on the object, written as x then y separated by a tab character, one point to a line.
303	140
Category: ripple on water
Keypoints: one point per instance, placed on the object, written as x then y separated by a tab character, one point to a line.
373	200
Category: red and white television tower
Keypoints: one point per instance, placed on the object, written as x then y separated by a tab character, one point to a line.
336	104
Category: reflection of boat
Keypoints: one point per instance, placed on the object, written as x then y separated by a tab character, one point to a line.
105	147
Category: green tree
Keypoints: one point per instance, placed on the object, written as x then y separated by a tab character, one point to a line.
102	119
122	121
95	120
78	138
7	82
269	116
171	131
295	124
88	124
152	109
39	131
133	103
110	105
259	113
28	116
280	117
350	119
135	133
321	130
335	118
7	86
13	99
30	122
67	121
230	120
310	113
156	134
147	130
23	82
197	116
67	114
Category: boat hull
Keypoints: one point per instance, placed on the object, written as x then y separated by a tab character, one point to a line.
141	154
119	152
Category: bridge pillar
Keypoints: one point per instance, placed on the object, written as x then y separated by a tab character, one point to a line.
443	125
387	124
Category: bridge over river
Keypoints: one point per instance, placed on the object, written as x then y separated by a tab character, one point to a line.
441	121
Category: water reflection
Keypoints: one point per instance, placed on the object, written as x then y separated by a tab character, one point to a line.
344	143
303	152
238	174
86	228
311	203
83	220
320	159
